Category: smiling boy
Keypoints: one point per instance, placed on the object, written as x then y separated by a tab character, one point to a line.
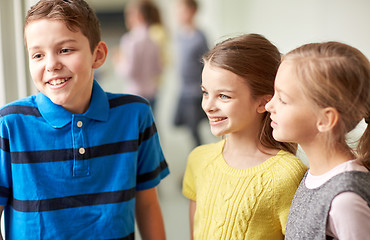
76	162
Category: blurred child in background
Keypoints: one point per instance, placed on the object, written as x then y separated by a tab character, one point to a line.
139	60
191	44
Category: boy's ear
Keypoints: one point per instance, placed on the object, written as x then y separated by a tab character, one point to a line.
327	119
263	101
100	54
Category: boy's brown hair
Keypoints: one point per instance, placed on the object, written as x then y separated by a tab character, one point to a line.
76	14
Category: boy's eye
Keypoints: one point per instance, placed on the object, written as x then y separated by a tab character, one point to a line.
65	50
36	56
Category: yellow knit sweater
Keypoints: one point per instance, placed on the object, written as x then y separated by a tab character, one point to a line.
240	203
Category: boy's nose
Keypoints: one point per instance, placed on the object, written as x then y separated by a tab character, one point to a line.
52	64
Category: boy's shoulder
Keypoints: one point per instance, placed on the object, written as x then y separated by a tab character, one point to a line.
26	106
128	104
120	99
132	107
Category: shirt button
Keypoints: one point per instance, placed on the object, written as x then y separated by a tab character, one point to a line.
81	151
79	124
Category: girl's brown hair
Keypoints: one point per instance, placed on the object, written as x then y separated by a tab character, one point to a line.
256	60
76	14
334	74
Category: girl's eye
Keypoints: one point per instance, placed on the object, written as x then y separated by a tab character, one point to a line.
204	93
281	101
224	97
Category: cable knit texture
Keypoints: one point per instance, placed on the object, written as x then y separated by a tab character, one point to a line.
240	203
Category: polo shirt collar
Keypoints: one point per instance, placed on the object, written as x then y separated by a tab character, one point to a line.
59	117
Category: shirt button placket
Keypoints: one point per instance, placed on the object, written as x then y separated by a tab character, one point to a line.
80	150
81	167
79	124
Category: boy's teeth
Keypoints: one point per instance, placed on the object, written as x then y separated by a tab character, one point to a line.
57	81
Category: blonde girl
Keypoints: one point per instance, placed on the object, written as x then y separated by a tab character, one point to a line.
241	187
322	92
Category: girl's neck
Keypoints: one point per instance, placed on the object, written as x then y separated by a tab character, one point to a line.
242	152
322	159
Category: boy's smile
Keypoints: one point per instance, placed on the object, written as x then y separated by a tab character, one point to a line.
58	81
61	63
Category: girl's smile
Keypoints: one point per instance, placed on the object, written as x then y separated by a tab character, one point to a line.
227	102
216	120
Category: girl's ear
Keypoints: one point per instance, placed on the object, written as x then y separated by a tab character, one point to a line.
327	119
100	54
263	101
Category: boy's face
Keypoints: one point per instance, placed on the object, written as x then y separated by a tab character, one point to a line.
61	63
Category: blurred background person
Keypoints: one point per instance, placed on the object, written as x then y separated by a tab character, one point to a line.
191	44
139	58
158	32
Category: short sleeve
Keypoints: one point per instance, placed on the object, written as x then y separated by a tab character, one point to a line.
5	169
152	166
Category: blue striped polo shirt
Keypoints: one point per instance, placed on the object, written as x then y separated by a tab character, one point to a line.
74	176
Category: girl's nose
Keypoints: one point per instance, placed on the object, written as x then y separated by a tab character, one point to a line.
269	105
208	104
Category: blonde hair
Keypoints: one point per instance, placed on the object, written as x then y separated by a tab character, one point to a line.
256	60
334	74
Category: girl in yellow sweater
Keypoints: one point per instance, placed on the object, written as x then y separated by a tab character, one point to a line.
242	186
